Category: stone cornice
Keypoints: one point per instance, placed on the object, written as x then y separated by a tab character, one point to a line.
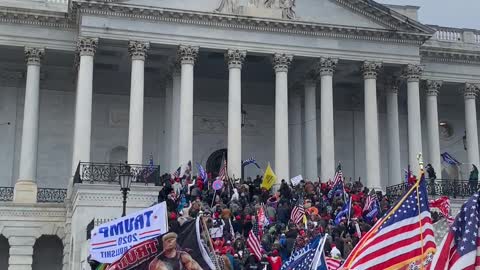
12	210
244	22
450	56
56	20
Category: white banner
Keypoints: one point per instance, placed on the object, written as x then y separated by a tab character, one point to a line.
296	180
111	240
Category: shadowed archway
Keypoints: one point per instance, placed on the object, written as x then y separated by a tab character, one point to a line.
214	161
4	252
48	253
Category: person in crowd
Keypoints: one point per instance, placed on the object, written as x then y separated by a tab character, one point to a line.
473	179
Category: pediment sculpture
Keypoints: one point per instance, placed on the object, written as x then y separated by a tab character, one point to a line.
284	9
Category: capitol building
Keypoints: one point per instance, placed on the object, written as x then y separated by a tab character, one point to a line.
89	87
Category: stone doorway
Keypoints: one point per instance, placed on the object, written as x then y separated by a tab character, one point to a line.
48	253
214	161
4	252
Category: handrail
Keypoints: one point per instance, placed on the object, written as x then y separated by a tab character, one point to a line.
92	172
51	195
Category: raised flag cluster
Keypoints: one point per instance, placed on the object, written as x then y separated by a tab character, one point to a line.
460	247
402	238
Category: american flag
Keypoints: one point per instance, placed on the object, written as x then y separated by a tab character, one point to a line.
338	178
370	201
254	245
176	173
298	212
401	238
222	173
309	257
443	205
460	247
333	264
262	220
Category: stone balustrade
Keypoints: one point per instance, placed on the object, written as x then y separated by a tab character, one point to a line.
455	34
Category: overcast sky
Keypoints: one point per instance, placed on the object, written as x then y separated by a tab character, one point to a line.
453	13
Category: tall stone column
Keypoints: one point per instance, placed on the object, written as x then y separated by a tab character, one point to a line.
311	155
25	188
167	125
175	131
470	94
432	125
235	60
82	131
295	111
21	252
327	137
187	56
412	73
393	133
281	63
138	52
372	157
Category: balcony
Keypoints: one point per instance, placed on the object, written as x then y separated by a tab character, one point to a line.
456	35
107	173
44	195
452	188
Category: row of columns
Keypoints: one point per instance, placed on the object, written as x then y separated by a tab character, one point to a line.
180	97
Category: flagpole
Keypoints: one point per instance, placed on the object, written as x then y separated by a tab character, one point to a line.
420	163
319	247
205	228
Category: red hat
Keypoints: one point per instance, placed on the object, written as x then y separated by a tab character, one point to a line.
173	215
275	253
238	217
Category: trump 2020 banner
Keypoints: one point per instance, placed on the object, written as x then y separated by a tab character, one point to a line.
111	240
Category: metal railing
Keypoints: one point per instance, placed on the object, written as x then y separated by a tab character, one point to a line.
88	172
6	194
51	195
440	187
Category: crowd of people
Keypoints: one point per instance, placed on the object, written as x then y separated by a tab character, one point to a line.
235	210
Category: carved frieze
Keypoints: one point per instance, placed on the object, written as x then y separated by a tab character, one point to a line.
285	8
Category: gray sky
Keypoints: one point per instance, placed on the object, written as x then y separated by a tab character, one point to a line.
453	13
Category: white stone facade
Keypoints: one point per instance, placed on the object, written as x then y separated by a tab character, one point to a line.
323	82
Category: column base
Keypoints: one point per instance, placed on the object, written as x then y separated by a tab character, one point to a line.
25	192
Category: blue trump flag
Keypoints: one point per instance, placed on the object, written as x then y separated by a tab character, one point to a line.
309	257
201	172
345	211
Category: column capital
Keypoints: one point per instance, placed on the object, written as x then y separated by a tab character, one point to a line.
371	69
281	62
433	87
33	56
235	57
392	85
87	46
470	91
138	49
187	54
327	65
412	72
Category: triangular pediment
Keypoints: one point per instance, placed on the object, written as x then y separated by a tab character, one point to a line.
345	13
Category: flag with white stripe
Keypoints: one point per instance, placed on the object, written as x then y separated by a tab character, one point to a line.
254	245
402	238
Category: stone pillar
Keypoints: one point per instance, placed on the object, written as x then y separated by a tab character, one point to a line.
138	52
372	157
281	63
235	60
21	252
311	155
470	94
412	73
393	134
186	56
327	128
432	125
175	131
82	131
296	124
168	125
25	188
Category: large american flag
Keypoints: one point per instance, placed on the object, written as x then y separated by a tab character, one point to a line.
460	247
254	245
403	237
298	212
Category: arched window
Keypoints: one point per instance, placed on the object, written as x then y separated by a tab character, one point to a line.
214	161
48	253
4	252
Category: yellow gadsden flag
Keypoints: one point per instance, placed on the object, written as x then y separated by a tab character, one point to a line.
269	178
